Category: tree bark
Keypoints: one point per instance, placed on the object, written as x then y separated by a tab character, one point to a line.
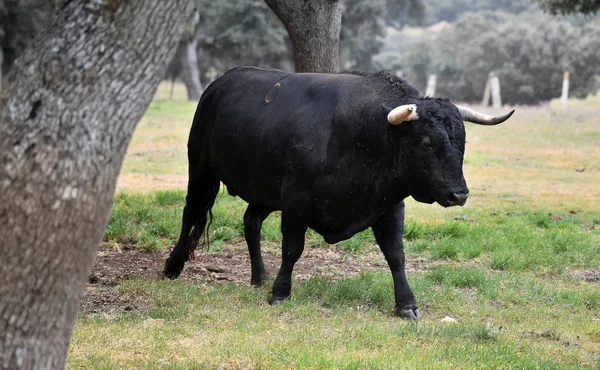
67	111
190	73
1	56
314	29
1	64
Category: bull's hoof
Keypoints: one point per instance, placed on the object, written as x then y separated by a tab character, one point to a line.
173	268
408	312
259	281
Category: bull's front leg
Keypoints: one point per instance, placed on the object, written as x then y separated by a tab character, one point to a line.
388	230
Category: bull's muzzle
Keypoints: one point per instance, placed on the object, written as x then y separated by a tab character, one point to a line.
457	199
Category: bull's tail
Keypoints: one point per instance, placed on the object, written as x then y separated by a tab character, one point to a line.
200	230
197	211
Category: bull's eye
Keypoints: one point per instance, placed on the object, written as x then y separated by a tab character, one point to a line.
426	142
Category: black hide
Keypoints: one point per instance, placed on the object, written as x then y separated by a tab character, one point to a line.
319	148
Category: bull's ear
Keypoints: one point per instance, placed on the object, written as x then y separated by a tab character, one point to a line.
402	113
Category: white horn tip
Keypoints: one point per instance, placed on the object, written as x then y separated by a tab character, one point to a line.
403	113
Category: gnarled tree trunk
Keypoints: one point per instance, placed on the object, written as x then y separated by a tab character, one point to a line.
1	56
314	29
67	111
1	64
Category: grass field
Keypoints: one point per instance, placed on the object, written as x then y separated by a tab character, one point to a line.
518	267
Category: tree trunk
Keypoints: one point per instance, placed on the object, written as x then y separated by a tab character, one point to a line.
314	29
1	56
189	62
1	64
67	112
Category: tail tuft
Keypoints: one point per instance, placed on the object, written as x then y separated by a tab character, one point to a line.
197	232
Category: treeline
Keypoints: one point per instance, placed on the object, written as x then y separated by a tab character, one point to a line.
451	10
527	49
529	53
233	32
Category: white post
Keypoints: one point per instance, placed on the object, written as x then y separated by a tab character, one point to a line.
431	82
495	84
565	90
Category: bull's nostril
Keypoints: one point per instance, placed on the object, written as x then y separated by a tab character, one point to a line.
459	198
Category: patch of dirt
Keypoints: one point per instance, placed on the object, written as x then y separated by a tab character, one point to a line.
548	334
105	300
231	263
591	276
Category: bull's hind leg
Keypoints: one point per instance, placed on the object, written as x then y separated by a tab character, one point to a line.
253	219
202	191
293	232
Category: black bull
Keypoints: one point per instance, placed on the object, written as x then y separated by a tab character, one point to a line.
337	153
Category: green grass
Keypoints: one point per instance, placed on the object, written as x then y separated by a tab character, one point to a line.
504	320
513	240
502	266
145	221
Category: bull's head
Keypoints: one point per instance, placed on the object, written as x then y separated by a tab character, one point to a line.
434	138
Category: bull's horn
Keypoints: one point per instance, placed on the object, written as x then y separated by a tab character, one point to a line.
470	115
402	113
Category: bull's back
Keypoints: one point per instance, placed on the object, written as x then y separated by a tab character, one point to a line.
269	131
246	121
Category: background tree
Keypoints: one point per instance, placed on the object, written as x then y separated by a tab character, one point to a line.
1	56
399	13
450	10
232	32
570	6
314	30
68	109
529	53
188	56
363	28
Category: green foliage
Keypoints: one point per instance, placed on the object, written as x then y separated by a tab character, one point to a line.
232	33
402	12
529	53
451	10
569	6
362	28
